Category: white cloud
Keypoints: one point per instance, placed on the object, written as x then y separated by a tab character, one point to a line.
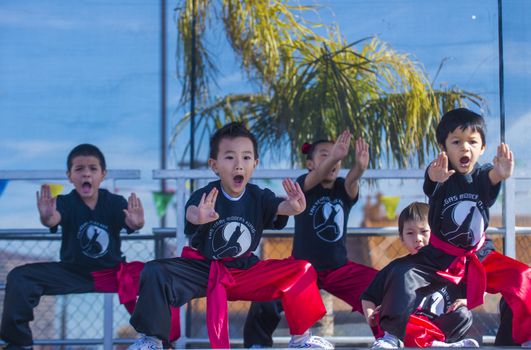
122	152
62	20
33	147
19	152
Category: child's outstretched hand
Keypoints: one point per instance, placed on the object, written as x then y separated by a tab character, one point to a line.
296	199
340	148
503	162
205	211
438	170
46	204
362	154
134	214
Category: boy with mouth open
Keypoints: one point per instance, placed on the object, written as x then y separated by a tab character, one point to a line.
226	219
91	260
460	193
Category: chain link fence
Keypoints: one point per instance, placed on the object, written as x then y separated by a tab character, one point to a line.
80	316
77	318
375	250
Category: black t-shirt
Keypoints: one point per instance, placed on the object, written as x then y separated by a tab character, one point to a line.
321	230
459	207
430	304
239	228
91	238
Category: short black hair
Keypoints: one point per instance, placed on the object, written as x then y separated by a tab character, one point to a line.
231	131
416	211
85	149
309	148
460	118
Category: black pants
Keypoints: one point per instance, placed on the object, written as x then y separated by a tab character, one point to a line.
264	317
165	283
24	288
504	336
262	320
409	281
455	324
416	276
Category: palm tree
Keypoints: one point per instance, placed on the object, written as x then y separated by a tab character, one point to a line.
311	86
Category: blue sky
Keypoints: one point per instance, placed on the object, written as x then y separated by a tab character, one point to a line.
88	71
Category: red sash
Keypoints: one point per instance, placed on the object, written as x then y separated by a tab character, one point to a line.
421	332
219	278
476	282
122	279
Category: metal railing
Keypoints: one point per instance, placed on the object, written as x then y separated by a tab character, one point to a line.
508	206
108	339
508	231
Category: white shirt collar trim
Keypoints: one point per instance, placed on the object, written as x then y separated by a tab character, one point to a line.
234	199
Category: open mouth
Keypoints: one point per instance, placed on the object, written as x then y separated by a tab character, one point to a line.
86	187
464	161
238	179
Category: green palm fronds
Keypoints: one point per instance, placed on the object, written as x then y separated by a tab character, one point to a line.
313	86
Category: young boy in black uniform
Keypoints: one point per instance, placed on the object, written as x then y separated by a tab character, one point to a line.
91	220
442	318
226	219
320	233
460	193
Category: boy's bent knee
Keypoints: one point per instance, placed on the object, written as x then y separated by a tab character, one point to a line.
464	312
151	268
18	276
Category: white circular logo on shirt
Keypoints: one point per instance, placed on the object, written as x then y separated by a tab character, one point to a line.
328	221
464	227
433	303
231	240
93	240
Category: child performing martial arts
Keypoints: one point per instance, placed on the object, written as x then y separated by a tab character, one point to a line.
226	219
460	193
320	232
91	260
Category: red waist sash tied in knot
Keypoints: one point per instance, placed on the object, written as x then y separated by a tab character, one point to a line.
122	279
476	282
219	278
